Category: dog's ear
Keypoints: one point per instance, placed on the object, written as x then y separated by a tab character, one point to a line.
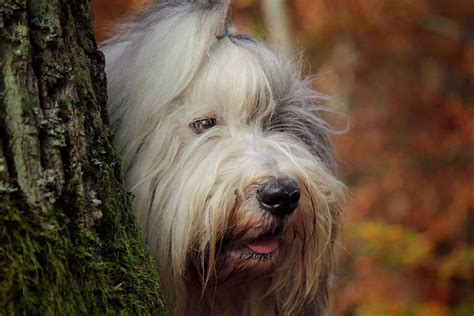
153	58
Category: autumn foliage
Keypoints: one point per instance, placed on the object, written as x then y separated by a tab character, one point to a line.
403	73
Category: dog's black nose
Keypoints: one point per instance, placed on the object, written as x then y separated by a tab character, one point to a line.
279	196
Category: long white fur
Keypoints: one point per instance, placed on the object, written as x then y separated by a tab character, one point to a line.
165	69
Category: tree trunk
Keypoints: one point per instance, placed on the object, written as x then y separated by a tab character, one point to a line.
69	241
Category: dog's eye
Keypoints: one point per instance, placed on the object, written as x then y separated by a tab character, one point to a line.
201	125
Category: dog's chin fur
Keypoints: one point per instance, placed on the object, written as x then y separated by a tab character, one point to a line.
195	190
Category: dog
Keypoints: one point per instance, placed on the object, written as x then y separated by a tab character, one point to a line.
235	187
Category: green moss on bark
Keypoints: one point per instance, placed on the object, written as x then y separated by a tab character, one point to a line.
69	242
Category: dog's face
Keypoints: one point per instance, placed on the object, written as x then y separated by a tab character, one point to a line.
264	192
242	182
232	172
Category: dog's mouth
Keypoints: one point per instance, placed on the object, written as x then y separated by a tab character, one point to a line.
246	252
263	248
264	245
261	243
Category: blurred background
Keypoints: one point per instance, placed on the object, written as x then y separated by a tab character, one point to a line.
403	71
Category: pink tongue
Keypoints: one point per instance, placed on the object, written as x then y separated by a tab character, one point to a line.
264	245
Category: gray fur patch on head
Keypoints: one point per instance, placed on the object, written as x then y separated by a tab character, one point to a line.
300	117
298	107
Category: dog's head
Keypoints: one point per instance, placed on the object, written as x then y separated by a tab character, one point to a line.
226	154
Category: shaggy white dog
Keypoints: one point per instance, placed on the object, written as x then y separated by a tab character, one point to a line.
235	186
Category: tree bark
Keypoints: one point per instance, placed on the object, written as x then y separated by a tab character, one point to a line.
69	241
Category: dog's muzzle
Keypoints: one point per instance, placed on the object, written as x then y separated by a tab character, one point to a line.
279	196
